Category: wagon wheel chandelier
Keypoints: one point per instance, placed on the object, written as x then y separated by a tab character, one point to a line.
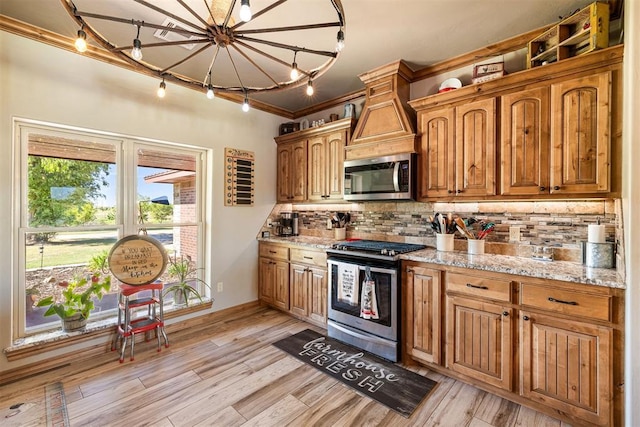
199	44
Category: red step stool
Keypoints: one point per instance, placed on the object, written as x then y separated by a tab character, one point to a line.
129	326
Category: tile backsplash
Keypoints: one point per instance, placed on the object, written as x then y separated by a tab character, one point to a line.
559	224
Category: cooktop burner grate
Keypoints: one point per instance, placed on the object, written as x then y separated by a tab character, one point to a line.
377	246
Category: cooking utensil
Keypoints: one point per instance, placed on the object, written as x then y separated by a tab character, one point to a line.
462	228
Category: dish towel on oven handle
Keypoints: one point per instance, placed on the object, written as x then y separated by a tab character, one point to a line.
348	287
369	301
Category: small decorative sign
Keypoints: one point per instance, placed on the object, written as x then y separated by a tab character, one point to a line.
239	175
137	260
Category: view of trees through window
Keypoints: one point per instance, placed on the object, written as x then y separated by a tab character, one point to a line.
80	200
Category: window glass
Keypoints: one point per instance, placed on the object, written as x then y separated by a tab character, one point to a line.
79	196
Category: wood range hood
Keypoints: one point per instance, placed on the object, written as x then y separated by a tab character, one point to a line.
387	123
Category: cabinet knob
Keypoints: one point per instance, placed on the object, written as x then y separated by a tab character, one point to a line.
409	270
458	191
543	188
557	187
525	317
450	191
505	313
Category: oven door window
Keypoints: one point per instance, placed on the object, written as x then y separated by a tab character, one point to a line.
383	290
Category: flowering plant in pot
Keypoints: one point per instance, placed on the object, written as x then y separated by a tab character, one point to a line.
186	275
76	302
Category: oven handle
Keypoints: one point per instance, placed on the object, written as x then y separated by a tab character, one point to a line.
358	334
396	177
390	271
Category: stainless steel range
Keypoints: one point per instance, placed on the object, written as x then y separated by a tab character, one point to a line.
364	295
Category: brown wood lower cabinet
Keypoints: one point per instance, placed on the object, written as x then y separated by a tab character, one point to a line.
422	294
478	340
566	365
295	280
554	346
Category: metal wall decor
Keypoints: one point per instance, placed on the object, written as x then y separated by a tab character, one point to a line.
239	175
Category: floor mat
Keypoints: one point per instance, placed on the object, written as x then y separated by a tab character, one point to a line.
379	379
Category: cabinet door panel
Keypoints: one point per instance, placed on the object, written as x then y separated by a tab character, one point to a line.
422	301
266	279
475	148
298	291
281	285
436	167
525	142
317	166
299	171
335	164
565	365
479	342
284	173
318	295
580	133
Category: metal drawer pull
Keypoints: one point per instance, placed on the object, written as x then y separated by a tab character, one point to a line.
273	252
469	285
525	317
308	257
562	302
505	313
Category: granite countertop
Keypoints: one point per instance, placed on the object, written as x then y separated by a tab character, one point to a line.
520	266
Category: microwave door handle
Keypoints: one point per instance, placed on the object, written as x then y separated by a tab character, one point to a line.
396	177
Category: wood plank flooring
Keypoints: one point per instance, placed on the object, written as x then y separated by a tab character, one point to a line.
228	374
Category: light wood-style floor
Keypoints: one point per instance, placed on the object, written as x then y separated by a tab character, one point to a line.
228	374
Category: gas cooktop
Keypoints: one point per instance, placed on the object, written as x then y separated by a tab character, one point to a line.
374	248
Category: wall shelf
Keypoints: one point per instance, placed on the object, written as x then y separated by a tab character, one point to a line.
584	31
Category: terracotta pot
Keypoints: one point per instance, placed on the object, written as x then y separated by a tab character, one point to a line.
74	323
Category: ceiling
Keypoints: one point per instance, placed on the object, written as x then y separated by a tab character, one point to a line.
377	32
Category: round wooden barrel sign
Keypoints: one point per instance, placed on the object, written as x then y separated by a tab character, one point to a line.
137	260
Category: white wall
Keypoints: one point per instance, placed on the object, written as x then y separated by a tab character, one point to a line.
52	85
631	207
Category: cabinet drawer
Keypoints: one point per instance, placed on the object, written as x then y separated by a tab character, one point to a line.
484	287
566	301
274	251
306	256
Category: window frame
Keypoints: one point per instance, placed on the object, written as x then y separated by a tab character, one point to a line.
126	221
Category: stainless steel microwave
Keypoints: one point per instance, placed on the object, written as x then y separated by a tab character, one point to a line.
380	178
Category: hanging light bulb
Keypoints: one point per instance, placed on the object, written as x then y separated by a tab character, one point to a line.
310	87
210	93
340	41
245	104
294	68
245	11
162	90
136	52
81	41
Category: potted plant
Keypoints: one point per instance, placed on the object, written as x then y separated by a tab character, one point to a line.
76	302
186	275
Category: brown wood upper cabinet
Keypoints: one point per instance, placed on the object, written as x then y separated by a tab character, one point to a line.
292	172
559	134
325	166
576	118
457	151
311	161
580	131
524	142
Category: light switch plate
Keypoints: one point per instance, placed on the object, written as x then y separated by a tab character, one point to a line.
514	233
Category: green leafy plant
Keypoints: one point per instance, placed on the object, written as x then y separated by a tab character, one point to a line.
185	274
78	293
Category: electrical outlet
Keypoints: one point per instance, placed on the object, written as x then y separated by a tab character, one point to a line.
514	233
220	286
269	222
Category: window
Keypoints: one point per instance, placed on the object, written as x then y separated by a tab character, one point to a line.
78	192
